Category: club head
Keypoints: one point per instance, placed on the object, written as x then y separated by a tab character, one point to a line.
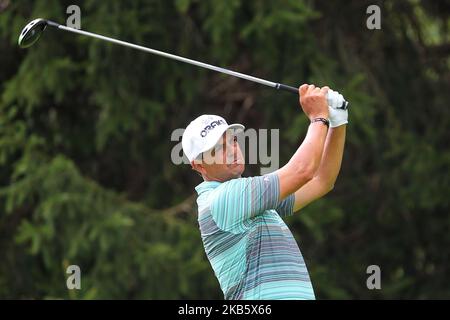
31	33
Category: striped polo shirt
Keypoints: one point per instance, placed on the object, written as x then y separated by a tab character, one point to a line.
251	250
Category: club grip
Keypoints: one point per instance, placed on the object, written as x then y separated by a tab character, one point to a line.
284	87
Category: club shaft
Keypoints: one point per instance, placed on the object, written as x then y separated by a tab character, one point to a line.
175	57
278	86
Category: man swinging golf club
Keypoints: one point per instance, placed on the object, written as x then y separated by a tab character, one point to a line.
251	250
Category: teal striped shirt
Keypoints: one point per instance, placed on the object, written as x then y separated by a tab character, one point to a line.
251	250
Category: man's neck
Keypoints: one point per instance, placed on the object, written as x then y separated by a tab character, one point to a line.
217	179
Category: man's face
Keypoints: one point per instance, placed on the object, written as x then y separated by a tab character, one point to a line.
223	162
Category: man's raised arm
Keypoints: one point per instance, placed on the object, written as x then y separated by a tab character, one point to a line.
303	165
325	177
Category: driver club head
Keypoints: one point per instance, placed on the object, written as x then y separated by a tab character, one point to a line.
31	33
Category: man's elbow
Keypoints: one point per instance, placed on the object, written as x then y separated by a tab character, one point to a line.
305	174
326	183
325	186
329	188
323	190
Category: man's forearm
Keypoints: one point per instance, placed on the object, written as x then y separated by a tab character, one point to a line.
309	154
304	163
332	156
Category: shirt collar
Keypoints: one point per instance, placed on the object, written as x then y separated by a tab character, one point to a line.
207	186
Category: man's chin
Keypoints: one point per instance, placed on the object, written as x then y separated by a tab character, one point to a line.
237	172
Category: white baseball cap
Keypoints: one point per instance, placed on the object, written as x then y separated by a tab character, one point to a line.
203	133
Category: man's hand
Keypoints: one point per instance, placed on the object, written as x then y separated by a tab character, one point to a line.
313	101
338	117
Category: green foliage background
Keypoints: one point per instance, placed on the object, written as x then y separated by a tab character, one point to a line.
85	127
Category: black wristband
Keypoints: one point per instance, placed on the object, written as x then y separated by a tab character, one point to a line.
325	121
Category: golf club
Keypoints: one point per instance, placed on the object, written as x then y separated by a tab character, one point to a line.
33	30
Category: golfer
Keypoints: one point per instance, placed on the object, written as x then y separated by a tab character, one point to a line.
251	250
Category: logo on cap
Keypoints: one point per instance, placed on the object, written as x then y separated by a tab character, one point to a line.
211	126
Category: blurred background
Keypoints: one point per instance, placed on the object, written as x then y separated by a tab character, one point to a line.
85	127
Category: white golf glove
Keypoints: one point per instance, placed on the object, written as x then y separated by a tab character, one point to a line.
337	117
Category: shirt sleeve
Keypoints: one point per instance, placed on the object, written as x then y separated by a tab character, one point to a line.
286	207
236	201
